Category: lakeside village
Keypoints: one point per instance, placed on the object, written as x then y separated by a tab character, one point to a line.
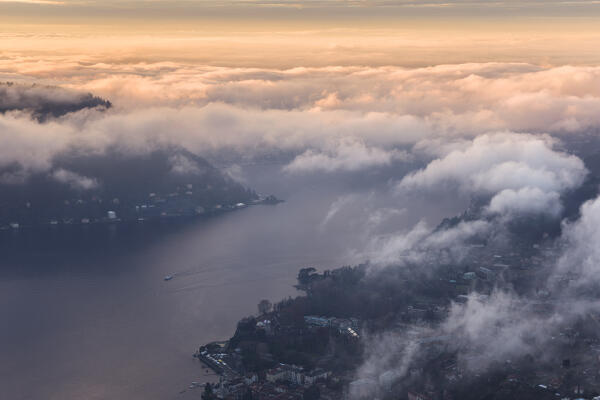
310	347
181	203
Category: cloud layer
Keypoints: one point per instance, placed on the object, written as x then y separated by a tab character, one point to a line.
333	119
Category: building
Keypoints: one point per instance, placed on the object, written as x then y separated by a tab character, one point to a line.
266	326
250	378
487	273
315	375
312	320
296	375
468	276
417	396
275	374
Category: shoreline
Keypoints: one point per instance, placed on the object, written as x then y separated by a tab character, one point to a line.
105	222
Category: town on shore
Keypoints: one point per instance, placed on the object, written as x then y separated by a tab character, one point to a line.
313	346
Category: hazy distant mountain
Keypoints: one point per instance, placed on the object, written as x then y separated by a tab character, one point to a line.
96	185
43	102
162	183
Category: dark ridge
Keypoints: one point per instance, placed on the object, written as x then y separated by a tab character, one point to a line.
44	102
163	182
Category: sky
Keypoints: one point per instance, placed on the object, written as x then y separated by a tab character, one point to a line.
306	33
329	10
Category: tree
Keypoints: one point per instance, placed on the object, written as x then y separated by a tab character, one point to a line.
208	392
264	307
312	393
248	395
305	275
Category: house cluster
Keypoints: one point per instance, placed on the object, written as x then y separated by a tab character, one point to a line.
296	375
483	268
344	326
270	391
266	325
284	382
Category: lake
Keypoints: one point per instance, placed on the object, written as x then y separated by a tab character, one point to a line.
85	312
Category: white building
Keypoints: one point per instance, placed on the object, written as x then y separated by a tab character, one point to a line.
315	375
284	372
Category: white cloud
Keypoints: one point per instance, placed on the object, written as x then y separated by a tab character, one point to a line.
520	172
75	180
348	155
30	144
424	245
526	200
181	164
581	258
